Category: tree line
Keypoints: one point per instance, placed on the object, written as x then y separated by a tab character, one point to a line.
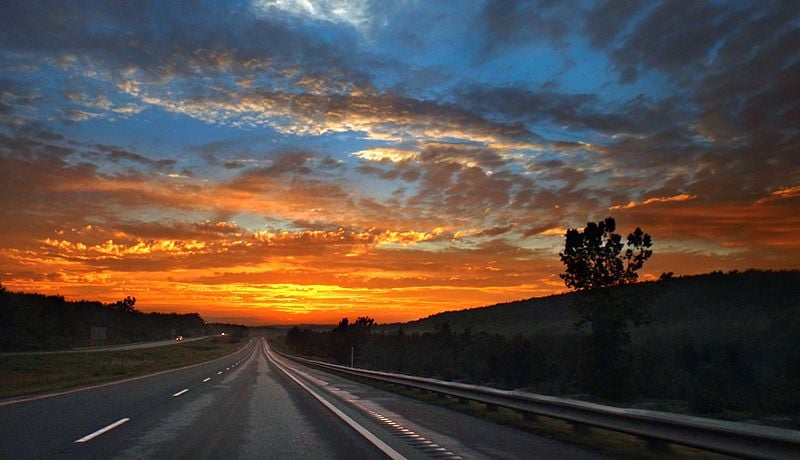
743	374
31	322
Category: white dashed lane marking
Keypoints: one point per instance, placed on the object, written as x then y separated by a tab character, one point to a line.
97	433
180	392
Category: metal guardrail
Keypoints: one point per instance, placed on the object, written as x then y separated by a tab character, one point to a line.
732	438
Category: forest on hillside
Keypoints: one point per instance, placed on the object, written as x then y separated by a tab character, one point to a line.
32	322
720	344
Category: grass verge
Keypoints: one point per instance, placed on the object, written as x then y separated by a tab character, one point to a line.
29	374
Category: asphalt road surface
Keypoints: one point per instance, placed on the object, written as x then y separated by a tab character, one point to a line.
254	405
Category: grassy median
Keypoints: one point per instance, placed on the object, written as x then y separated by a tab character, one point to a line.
29	374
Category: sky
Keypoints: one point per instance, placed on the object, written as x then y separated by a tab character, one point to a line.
298	161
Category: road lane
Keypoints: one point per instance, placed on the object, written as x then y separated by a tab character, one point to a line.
246	406
250	411
435	430
316	393
42	427
286	422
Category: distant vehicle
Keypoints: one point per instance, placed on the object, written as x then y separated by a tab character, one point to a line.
179	338
222	333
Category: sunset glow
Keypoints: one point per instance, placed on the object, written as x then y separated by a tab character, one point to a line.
300	161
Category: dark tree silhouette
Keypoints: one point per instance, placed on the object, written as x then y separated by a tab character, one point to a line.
596	267
594	259
125	305
350	337
30	322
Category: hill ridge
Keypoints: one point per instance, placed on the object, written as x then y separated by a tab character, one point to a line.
678	298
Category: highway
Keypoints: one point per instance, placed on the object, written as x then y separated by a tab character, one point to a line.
127	346
253	404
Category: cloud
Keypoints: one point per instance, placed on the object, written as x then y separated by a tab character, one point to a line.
406	171
744	228
628	205
609	19
554	231
682	39
219	244
41	184
390	154
667	39
117	155
731	60
353	13
669	199
154	45
77	115
577	113
141	248
495	231
205	230
515	21
286	163
659	199
383	117
781	193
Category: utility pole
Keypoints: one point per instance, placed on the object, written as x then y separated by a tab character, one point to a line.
351	355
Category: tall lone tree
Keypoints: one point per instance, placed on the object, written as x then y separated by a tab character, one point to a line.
595	266
594	259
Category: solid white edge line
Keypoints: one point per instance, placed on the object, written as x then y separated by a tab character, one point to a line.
102	430
180	392
385	448
206	379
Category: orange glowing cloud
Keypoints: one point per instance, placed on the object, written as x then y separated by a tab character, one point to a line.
781	193
661	199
